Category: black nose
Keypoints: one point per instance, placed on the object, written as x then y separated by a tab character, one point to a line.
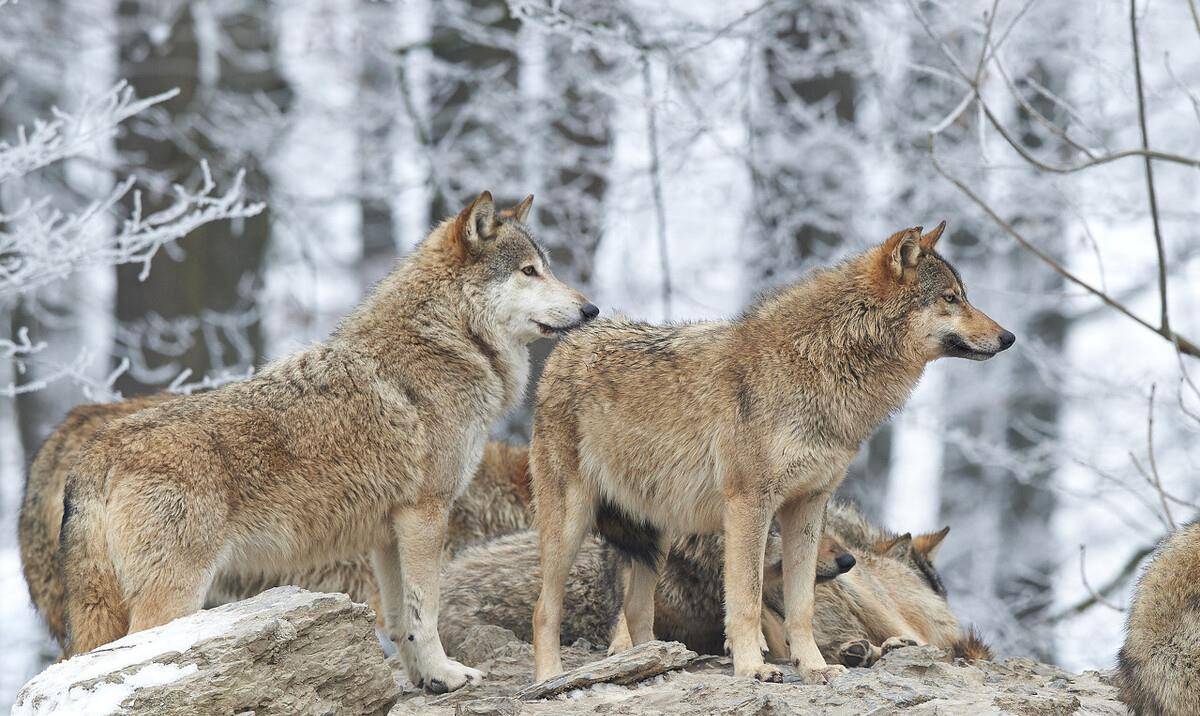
845	562
1006	340
589	311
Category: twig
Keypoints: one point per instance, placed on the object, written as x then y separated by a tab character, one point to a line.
1185	345
1156	482
1097	596
660	215
1164	320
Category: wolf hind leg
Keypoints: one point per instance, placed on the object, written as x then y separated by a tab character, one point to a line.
638	606
385	560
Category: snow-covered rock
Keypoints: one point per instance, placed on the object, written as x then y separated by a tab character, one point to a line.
286	651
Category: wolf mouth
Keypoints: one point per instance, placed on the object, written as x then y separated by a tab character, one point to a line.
548	330
955	347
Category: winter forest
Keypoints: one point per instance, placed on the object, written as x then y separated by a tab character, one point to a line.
191	188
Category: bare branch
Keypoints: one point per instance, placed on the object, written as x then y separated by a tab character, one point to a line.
1164	320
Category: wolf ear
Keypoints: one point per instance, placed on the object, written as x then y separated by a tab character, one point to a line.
903	251
896	547
520	211
476	223
928	241
928	543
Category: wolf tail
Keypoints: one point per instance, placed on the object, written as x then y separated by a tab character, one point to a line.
972	647
96	609
37	535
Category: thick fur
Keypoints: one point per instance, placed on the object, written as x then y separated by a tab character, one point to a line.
1160	661
354	445
495	503
723	426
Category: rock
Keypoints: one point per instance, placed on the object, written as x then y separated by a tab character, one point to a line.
641	662
481	643
492	706
286	651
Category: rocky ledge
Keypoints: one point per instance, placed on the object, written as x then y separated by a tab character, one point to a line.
289	651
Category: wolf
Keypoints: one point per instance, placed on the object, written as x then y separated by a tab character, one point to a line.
497	583
358	444
721	426
495	503
1159	663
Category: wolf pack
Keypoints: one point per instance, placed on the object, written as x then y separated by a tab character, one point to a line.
677	484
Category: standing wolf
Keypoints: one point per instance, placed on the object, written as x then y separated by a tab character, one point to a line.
717	426
494	503
1160	660
357	444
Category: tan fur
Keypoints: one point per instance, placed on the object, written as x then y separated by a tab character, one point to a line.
721	426
1160	660
357	444
495	503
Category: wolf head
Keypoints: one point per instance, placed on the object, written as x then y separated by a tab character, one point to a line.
508	276
918	553
832	559
907	269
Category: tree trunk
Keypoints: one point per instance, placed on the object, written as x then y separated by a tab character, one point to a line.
217	266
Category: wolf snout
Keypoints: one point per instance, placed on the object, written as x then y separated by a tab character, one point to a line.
845	562
1006	340
591	310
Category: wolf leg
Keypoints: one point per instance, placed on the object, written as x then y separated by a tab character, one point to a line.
775	633
801	521
620	640
420	533
385	559
564	513
746	524
639	600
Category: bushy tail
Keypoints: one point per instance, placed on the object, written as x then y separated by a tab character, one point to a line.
96	610
37	534
972	647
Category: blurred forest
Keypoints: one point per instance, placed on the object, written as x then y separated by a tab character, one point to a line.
189	188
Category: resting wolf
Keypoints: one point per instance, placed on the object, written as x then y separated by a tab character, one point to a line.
357	444
890	596
724	426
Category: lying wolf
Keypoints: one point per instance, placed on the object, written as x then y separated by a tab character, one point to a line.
495	503
497	583
358	444
881	594
725	426
1160	659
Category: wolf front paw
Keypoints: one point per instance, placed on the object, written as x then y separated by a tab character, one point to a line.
447	676
822	675
761	671
857	653
896	642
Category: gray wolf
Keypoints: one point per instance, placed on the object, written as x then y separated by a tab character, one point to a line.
358	444
495	503
723	426
1159	663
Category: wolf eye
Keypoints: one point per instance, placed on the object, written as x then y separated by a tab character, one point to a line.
529	271
949	298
